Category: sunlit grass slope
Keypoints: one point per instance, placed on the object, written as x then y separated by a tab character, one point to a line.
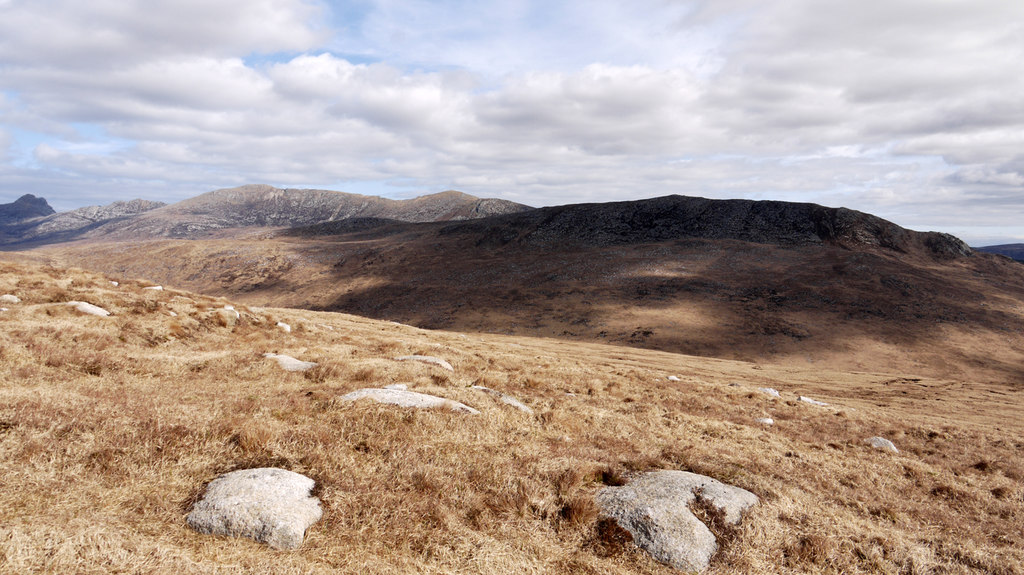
111	426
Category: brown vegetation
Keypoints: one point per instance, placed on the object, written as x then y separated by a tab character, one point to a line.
110	427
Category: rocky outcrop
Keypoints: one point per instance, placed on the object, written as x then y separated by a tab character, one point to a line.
403	398
270	505
24	208
655	509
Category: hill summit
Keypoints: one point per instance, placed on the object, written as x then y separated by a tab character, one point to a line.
24	208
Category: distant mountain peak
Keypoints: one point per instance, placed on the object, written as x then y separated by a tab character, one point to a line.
24	208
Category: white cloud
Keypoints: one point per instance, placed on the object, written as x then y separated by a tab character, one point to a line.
909	109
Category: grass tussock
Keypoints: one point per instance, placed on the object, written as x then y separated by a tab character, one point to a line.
111	427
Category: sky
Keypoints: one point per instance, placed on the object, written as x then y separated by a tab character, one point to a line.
912	110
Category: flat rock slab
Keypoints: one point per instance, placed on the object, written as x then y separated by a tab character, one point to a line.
289	363
813	401
427	359
655	509
505	398
270	505
88	308
881	443
405	398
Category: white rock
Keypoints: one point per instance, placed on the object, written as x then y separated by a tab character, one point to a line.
405	398
881	443
289	363
88	308
766	421
427	359
655	509
813	401
270	505
505	398
172	314
114	283
155	288
673	378
4	309
399	386
9	298
769	391
232	309
287	328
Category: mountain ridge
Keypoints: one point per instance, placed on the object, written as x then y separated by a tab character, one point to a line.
250	206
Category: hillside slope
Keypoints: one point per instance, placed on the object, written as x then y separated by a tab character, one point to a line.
111	426
821	286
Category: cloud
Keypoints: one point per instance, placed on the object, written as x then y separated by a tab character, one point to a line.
909	109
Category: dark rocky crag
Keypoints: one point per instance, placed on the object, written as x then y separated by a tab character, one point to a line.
24	208
676	217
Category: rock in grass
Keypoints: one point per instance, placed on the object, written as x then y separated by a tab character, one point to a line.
505	398
813	401
766	421
404	398
270	505
287	328
427	359
88	308
881	443
673	378
655	509
9	298
769	391
289	363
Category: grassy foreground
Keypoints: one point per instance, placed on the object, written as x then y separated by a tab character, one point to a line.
110	428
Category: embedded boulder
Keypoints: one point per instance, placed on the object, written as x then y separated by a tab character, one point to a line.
289	363
505	398
270	505
427	359
405	398
881	443
88	308
655	509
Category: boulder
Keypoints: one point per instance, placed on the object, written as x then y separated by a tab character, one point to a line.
505	398
427	359
270	505
766	421
88	308
769	391
404	398
655	509
9	298
289	363
813	401
881	443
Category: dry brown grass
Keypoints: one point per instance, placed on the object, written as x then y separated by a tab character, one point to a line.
110	428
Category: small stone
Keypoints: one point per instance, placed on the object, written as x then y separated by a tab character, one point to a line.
155	288
766	421
88	308
287	328
427	359
114	283
769	391
9	298
270	505
505	398
881	443
813	401
673	378
289	363
403	398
